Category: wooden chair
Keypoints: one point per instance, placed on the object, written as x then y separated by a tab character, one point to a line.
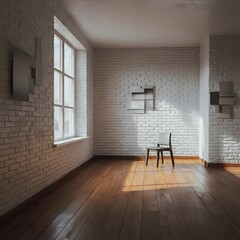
163	144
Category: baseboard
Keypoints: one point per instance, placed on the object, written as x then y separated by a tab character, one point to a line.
219	165
36	197
141	158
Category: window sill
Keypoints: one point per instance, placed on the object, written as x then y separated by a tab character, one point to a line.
68	141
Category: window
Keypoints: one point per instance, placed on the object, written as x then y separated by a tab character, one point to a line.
64	89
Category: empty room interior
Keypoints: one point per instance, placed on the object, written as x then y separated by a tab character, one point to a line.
119	119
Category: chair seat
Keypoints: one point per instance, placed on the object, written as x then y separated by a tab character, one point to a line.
157	148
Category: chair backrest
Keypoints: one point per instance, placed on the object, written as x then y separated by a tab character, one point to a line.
164	139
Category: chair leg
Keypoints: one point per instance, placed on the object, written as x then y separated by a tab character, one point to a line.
157	158
171	152
147	157
162	157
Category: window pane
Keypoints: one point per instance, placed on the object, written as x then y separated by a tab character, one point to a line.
68	92
57	88
68	60
68	122
58	129
57	52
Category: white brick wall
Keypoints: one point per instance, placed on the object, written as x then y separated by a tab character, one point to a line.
28	161
224	65
204	100
174	72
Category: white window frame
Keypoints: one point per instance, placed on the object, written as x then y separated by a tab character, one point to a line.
63	75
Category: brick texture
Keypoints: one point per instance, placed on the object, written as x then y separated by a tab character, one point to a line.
28	161
174	73
224	65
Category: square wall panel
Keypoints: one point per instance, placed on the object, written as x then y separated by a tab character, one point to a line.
149	94
214	98
225	88
226	100
141	98
149	105
138	104
138	96
225	112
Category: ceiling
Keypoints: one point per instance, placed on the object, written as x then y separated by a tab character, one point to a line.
153	23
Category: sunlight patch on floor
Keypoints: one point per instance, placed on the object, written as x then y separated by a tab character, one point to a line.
233	170
153	187
145	178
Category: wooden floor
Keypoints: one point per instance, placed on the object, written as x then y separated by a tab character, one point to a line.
124	199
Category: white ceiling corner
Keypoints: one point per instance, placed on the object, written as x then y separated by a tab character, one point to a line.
153	23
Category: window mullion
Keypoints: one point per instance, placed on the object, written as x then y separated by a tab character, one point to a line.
66	113
65	74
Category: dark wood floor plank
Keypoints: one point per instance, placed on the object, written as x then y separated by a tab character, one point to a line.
181	207
150	219
61	212
75	225
113	223
124	199
94	224
168	221
131	227
224	225
201	214
222	190
59	223
23	223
